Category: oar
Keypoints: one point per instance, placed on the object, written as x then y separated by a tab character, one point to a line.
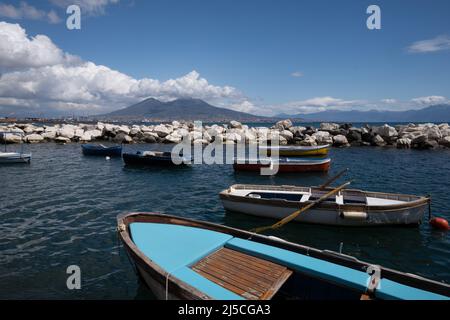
330	181
298	212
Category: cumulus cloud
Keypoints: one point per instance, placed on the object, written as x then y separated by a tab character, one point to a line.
37	71
93	7
429	100
18	51
438	43
27	11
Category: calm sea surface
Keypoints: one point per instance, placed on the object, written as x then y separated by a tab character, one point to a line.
61	210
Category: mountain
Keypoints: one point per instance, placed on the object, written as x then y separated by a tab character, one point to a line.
436	113
180	109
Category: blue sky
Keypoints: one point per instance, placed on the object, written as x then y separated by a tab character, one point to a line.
277	56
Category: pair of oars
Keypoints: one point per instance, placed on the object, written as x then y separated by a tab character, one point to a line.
295	214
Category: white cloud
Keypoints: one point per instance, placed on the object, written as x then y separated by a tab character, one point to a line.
26	11
438	43
389	101
18	51
297	74
430	100
93	7
39	72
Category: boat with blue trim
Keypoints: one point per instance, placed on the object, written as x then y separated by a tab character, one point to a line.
180	258
101	150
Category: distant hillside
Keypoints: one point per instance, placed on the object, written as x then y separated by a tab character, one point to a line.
436	113
180	109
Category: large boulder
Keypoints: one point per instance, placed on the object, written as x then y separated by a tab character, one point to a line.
340	141
235	125
387	132
323	137
122	129
283	124
95	134
378	141
404	143
297	131
34	138
354	135
49	135
62	140
66	131
287	135
330	127
29	128
307	141
161	130
78	133
433	133
123	138
149	137
172	138
10	138
445	141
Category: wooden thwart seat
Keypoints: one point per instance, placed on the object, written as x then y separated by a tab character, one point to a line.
248	276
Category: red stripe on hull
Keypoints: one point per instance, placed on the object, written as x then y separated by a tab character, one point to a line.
322	167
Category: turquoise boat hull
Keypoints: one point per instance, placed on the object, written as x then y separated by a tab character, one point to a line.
170	252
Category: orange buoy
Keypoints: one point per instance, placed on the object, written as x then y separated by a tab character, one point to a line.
439	223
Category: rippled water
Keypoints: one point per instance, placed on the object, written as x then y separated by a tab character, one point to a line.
61	210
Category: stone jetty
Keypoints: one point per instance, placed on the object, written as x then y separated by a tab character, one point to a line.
417	136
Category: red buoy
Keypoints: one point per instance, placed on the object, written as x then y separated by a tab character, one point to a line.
440	224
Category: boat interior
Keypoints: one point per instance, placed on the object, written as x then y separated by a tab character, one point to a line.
226	267
304	194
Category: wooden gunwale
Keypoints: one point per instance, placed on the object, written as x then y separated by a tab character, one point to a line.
186	291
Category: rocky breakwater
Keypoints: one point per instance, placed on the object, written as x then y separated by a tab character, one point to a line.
418	136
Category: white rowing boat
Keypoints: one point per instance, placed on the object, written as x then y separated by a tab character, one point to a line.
348	208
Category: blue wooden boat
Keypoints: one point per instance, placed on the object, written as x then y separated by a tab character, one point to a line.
153	158
101	150
179	258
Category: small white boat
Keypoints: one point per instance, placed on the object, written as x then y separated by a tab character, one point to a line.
348	208
14	157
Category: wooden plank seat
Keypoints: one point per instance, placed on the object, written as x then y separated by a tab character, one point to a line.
248	276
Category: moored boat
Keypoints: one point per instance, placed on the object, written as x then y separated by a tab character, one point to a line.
101	150
297	150
14	157
284	164
349	207
154	158
179	258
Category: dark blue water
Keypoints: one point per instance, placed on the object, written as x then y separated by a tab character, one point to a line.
61	210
